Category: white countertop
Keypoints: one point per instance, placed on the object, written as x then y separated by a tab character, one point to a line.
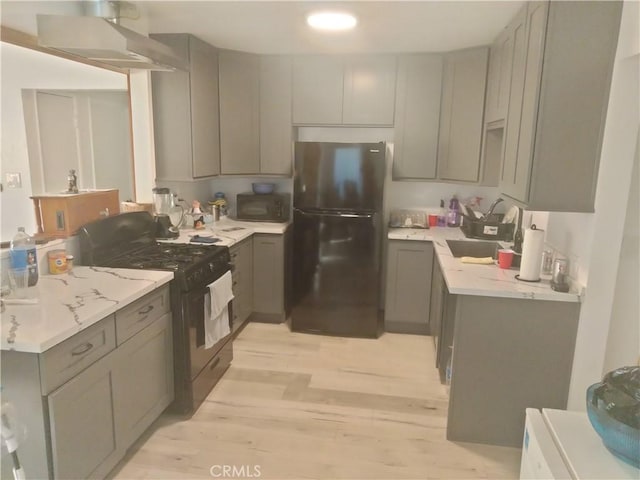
230	232
483	280
71	302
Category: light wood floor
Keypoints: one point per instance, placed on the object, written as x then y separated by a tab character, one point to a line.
298	406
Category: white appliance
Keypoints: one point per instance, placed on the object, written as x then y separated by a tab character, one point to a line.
561	444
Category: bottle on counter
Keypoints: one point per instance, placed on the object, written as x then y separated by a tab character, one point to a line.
23	255
453	214
442	215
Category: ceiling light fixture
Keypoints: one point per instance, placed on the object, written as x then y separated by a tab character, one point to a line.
332	21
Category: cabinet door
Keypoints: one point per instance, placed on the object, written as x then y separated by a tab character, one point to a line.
171	95
143	379
242	260
408	292
318	83
417	116
268	274
239	112
536	27
84	441
369	90
512	131
205	128
461	117
436	305
499	76
276	131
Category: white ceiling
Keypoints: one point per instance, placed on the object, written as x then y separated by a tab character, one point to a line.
279	27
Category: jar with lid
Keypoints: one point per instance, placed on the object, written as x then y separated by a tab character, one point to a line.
560	275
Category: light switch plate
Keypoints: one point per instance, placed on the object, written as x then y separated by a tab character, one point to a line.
13	180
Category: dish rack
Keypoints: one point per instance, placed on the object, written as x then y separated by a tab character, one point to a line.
490	228
408	219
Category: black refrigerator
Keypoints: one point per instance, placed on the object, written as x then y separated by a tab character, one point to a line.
337	238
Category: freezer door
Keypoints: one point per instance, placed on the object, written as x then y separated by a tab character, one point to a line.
338	175
540	456
336	280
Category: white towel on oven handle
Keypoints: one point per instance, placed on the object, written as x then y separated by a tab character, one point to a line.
216	310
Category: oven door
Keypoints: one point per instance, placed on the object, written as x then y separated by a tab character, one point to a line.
194	310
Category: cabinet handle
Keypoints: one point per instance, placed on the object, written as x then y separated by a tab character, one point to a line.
215	364
84	348
146	310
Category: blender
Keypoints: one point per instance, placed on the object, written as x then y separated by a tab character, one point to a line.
168	215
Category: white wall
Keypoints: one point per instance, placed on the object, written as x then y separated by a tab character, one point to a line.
607	223
24	68
623	343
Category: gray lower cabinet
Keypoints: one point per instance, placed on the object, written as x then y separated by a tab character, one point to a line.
82	419
417	116
185	112
461	114
143	379
563	54
87	399
508	354
242	273
271	276
239	112
408	286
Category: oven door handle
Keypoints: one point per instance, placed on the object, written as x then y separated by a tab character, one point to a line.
205	293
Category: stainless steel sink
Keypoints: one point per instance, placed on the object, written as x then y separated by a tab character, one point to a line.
470	248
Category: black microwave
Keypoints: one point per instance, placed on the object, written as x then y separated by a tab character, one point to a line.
270	207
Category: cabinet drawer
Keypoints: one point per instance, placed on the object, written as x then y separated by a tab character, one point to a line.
67	359
136	316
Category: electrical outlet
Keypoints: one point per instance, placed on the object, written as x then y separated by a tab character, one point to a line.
13	180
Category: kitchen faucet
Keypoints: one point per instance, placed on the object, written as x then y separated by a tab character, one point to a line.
492	208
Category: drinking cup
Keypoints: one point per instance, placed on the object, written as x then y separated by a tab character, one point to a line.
505	258
433	220
19	281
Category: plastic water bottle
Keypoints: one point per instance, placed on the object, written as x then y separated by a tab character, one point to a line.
23	255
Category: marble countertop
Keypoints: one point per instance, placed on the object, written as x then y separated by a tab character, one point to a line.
484	280
71	302
230	232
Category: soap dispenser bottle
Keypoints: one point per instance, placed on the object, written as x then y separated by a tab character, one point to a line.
453	215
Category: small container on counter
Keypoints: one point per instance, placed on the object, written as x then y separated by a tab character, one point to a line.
69	263
57	262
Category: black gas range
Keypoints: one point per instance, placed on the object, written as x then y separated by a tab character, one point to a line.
128	241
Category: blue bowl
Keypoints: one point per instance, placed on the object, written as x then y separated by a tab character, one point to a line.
263	188
621	439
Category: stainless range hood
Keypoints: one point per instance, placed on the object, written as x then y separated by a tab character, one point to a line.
103	41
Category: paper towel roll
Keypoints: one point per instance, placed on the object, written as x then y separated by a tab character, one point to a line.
531	261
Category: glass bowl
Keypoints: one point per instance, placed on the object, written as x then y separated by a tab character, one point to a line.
621	439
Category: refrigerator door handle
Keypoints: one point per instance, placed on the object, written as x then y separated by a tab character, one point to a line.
331	214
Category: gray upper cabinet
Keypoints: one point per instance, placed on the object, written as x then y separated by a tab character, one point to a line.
499	77
417	116
239	112
344	90
185	112
276	131
369	90
561	74
461	114
318	83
